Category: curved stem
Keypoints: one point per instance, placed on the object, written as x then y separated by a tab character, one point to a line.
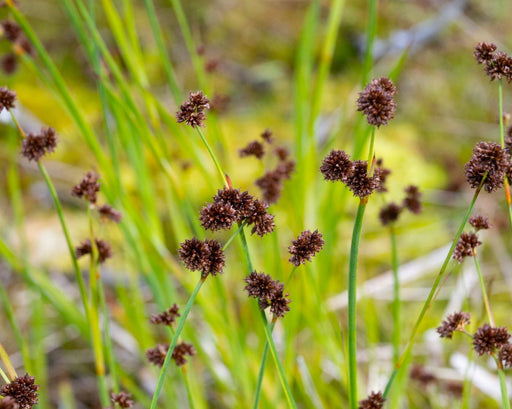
257	393
396	295
174	341
484	291
500	103
371	152
503	387
7	363
352	298
212	155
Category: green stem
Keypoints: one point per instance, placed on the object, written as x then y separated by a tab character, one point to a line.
174	341
190	395
433	291
257	393
214	158
500	103
371	31
4	357
396	296
503	388
236	233
371	152
352	298
484	291
4	376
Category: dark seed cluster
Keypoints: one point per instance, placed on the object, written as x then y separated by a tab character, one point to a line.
7	98
505	355
104	249
488	339
412	200
467	243
305	246
376	101
167	317
23	390
267	136
180	351
217	216
268	292
337	166
375	400
488	158
390	213
479	222
12	32
192	111
88	187
123	399
9	63
254	148
454	322
205	256
8	403
157	354
107	212
36	145
382	173
497	65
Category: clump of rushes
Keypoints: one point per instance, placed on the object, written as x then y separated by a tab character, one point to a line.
36	145
104	249
375	400
23	390
7	98
192	111
479	222
254	148
454	322
376	101
88	187
205	256
466	246
268	292
497	65
167	317
489	159
487	339
122	399
182	349
305	246
107	212
8	403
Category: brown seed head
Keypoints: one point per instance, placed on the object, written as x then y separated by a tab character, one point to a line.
263	221
267	136
282	153
305	246
254	148
412	199
167	317
7	98
215	260
376	101
8	403
382	173
11	30
217	216
505	355
104	249
271	184
484	52
157	354
9	63
487	157
36	145
279	304
193	253
260	285
479	222
359	182
240	201
488	339
192	111
107	212
22	390
180	351
123	399
88	187
374	401
454	322
285	169
465	246
499	67
337	166
389	214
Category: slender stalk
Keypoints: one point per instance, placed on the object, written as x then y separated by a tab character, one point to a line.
503	388
352	297
257	393
214	158
190	395
7	363
500	103
371	31
396	295
236	233
433	292
174	341
484	291
4	376
371	152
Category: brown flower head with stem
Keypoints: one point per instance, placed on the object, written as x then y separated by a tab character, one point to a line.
268	292
500	67
205	256
167	317
23	390
157	354
7	98
107	212
412	199
88	187
180	351
505	355
279	304
217	216
390	213
8	403
253	148
484	52
122	399
337	166
36	145
258	216
9	63
465	246
479	222
375	400
454	322
305	246
488	339
376	101
490	158
11	31
358	181
104	249
192	111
